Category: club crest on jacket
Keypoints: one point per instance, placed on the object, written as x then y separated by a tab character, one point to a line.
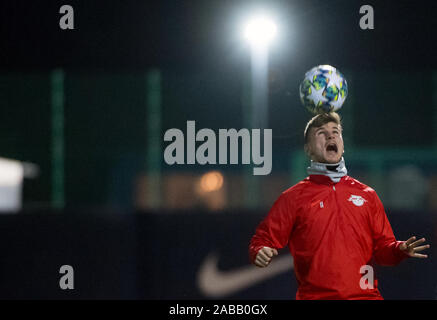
357	200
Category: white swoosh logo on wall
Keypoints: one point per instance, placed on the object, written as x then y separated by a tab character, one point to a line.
215	283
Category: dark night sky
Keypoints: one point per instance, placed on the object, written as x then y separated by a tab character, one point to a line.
202	34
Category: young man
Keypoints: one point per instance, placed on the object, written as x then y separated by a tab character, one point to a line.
333	224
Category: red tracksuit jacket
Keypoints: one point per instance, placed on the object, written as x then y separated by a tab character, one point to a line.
332	230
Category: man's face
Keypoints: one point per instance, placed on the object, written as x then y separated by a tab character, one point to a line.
325	143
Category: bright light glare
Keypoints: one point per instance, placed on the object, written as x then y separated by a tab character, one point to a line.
211	181
11	172
260	31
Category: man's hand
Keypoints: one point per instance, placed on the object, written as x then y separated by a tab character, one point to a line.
410	247
264	256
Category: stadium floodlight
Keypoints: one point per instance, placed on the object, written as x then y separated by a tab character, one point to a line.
260	31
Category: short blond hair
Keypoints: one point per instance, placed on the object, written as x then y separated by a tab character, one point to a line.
320	120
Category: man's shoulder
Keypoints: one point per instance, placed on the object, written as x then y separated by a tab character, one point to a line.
355	183
296	189
305	184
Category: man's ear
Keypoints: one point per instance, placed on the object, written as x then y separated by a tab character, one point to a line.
306	148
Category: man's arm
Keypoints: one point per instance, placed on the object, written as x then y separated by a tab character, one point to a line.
272	233
388	251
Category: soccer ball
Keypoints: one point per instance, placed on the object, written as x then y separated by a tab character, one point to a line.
324	89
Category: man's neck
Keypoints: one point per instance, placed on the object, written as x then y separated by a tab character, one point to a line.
333	170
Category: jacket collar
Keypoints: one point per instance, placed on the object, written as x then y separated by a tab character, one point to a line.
324	172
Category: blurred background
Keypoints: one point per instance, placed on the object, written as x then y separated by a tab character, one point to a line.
83	114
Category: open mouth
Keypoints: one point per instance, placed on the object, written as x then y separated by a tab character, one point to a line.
332	147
